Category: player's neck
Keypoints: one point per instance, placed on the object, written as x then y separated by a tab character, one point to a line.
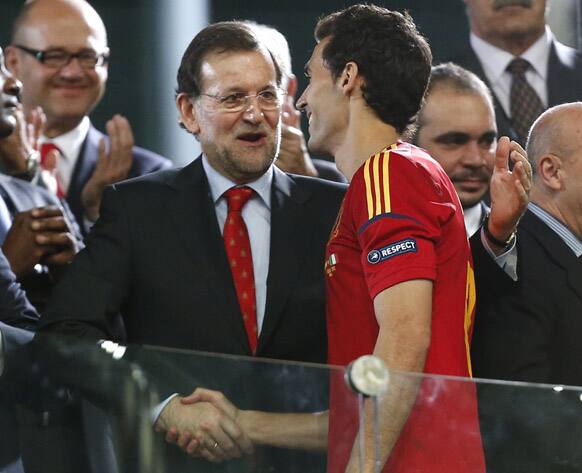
364	138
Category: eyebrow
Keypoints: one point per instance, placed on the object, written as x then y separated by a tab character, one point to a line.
460	136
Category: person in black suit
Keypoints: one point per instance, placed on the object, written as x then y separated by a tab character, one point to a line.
59	52
528	330
37	232
504	30
157	253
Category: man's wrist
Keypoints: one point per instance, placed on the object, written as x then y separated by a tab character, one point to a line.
30	169
500	241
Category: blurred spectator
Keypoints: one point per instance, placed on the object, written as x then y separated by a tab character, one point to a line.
59	52
530	333
38	234
528	70
456	125
293	155
530	330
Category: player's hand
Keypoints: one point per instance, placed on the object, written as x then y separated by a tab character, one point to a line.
202	429
509	190
113	164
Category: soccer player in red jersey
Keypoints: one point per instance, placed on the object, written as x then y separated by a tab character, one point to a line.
399	270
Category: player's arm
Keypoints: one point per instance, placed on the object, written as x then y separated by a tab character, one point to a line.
404	314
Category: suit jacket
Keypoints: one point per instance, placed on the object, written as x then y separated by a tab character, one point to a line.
529	331
564	80
21	196
157	254
15	311
144	162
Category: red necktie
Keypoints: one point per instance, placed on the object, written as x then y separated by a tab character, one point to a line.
238	251
46	148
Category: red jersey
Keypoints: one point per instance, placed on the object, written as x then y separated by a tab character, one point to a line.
401	220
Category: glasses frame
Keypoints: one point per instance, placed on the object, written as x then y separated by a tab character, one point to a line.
247	100
40	56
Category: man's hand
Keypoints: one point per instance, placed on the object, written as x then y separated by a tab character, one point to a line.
16	149
509	190
113	164
202	429
41	235
293	155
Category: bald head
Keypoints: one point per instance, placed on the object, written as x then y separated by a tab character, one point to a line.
36	14
66	92
557	131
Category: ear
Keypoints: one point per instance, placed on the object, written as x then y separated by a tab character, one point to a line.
187	112
551	172
292	85
12	60
350	81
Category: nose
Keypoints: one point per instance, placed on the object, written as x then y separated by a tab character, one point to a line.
301	103
72	68
473	155
253	113
12	86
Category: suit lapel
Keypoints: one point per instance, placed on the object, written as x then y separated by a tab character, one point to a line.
194	219
563	80
287	249
84	167
556	249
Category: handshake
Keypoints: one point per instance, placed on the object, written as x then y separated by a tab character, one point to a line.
206	424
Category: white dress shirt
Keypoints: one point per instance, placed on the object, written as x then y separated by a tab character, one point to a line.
495	61
70	145
257	216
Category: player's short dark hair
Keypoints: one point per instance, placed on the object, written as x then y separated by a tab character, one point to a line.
392	56
225	36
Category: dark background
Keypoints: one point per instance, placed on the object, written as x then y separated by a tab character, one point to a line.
136	46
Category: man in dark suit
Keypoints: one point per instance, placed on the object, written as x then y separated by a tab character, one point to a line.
529	330
37	233
59	52
157	253
507	33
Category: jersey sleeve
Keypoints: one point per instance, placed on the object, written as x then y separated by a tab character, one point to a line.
398	211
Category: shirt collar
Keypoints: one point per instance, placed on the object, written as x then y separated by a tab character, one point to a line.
561	230
219	184
70	143
473	217
495	60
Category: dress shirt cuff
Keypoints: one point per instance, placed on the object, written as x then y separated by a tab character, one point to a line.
87	224
507	260
156	411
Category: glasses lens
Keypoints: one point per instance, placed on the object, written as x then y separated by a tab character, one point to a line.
55	58
89	59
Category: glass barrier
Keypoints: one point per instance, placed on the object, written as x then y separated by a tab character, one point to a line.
68	406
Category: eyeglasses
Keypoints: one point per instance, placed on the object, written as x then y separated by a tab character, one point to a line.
268	100
88	59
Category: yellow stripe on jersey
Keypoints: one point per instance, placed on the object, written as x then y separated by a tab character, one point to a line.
377	180
386	174
470	299
368	189
377	194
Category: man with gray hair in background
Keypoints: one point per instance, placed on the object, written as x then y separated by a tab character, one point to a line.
293	154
